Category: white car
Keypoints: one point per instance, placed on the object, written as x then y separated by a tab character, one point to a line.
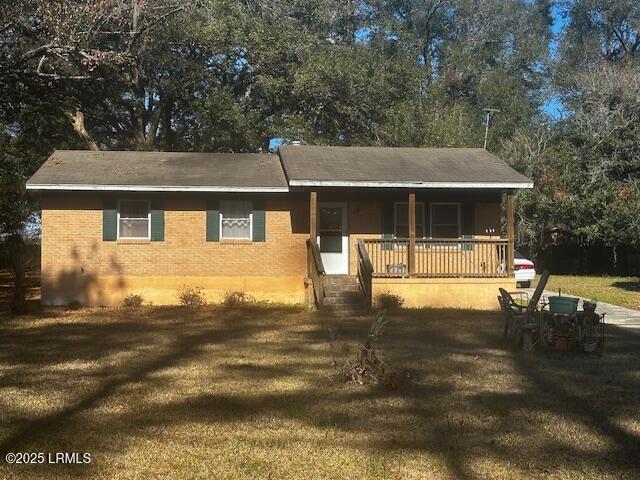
524	269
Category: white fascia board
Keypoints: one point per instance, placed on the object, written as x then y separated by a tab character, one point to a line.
331	183
150	188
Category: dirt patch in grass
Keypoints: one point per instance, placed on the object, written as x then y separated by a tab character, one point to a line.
623	291
250	393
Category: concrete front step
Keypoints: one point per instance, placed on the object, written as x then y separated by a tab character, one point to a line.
346	286
343	293
341	280
343	301
354	312
343	296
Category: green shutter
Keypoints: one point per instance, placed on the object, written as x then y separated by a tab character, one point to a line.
258	227
157	220
109	220
387	225
213	221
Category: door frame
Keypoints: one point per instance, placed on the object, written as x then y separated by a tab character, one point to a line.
345	232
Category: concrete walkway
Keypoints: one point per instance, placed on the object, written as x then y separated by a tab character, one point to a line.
615	315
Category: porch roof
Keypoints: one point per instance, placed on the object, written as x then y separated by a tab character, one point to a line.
159	171
393	167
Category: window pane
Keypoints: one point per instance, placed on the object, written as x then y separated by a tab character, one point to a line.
236	219
402	220
444	231
402	217
419	213
402	231
445	214
134	209
331	243
134	228
330	219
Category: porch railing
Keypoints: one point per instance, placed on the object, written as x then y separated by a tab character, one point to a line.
365	272
316	271
439	257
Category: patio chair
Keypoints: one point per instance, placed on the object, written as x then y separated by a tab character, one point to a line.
518	319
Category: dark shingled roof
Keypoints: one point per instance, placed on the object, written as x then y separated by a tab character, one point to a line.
402	167
310	166
168	171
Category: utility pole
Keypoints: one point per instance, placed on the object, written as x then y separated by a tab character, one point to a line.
489	111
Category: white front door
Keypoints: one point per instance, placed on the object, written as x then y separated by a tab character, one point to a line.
333	237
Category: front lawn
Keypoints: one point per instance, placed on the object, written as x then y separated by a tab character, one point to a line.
223	394
623	291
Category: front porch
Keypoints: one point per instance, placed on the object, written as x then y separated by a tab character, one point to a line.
388	241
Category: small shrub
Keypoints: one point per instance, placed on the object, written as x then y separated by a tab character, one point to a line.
389	301
368	364
237	298
191	296
133	301
75	305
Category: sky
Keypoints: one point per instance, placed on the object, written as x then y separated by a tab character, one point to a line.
554	108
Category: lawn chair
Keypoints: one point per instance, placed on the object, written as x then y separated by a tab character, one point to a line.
519	322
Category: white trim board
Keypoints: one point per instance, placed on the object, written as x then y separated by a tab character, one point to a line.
375	184
150	188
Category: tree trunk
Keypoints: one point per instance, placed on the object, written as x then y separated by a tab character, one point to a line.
77	120
168	134
18	267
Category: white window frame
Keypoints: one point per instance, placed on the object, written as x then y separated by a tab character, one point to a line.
222	237
458	204
148	202
395	219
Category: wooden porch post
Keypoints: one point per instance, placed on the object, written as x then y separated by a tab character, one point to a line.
510	234
313	216
412	234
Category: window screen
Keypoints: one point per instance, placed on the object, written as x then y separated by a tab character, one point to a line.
133	219
235	219
402	220
445	220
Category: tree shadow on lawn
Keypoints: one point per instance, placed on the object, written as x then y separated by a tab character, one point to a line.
467	402
541	412
628	286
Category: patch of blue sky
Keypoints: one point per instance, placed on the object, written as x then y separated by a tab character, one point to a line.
274	143
554	108
362	35
560	20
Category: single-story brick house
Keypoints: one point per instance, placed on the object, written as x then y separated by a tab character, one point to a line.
423	223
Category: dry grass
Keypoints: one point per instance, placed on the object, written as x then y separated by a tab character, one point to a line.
249	393
623	291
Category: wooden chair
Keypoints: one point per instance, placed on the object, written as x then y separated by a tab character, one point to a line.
519	321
